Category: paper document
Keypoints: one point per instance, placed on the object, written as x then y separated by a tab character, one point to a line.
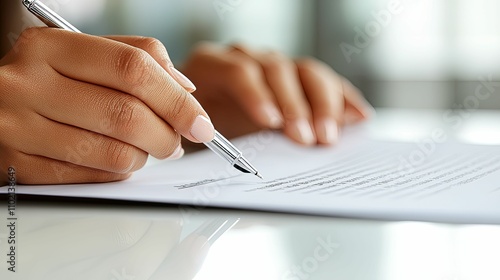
359	177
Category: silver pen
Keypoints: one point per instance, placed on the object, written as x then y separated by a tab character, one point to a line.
219	145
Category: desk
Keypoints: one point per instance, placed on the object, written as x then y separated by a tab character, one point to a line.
117	241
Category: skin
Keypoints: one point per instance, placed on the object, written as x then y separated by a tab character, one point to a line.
77	108
236	83
96	122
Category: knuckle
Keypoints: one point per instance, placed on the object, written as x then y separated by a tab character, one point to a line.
178	105
276	62
120	157
126	115
244	68
168	150
32	33
29	35
308	64
153	45
293	111
132	67
292	114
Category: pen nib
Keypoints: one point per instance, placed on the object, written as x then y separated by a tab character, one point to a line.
258	175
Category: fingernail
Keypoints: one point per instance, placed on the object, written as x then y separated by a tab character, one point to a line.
177	154
183	80
329	132
273	115
128	169
203	130
305	131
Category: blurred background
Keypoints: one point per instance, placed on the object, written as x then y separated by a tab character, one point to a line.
401	53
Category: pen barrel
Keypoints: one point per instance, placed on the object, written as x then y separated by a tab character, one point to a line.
223	148
47	16
219	145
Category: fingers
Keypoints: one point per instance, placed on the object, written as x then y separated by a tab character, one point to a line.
47	152
243	79
356	106
325	94
107	112
90	109
66	143
158	51
40	137
314	99
41	170
280	75
128	69
282	78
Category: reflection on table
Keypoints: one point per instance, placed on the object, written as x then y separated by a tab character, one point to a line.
115	242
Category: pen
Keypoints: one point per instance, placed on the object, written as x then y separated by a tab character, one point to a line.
219	145
215	228
185	260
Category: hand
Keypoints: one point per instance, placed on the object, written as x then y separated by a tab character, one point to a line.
244	90
77	108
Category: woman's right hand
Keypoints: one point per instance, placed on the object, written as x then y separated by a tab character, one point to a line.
76	108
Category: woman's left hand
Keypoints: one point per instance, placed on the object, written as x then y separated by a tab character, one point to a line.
244	90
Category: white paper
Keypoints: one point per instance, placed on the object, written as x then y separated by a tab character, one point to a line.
359	177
